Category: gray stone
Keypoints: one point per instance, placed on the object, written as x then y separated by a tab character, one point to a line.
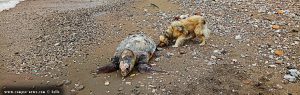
156	59
238	37
294	72
289	78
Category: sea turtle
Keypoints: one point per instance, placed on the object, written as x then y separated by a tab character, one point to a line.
134	51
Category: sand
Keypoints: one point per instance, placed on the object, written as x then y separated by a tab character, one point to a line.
49	42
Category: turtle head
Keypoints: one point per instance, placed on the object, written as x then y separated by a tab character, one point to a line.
127	62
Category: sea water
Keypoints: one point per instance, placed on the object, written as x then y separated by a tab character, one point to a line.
7	4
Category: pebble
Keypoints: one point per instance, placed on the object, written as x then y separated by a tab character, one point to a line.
217	52
294	72
234	60
238	37
67	82
289	78
182	52
159	49
211	63
153	90
79	87
132	75
279	52
169	54
106	83
150	77
272	66
56	44
243	56
278	86
292	75
156	59
120	89
128	83
213	57
275	27
279	61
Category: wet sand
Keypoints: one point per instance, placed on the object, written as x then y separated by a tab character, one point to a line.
45	42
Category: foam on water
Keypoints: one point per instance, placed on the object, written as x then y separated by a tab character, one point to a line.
7	4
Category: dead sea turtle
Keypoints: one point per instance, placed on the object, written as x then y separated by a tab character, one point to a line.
134	51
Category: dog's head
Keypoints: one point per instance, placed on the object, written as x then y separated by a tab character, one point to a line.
163	41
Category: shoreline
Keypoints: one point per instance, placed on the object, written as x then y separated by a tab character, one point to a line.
63	41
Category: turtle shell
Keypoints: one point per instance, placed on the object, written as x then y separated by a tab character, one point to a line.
137	43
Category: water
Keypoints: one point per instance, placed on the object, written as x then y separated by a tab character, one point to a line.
7	4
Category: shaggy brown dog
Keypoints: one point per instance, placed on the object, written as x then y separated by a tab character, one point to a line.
185	29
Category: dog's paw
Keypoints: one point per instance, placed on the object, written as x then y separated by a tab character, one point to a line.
202	44
174	46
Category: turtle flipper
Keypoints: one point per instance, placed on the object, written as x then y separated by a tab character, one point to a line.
107	69
146	68
114	66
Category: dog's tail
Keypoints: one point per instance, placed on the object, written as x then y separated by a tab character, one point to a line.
206	31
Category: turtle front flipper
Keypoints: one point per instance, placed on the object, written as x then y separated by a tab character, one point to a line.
114	66
107	69
146	68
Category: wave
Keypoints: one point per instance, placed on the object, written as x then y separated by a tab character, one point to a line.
7	4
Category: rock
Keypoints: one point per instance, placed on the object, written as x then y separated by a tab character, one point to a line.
182	52
279	61
279	52
243	56
152	86
156	59
79	87
280	11
213	57
128	83
234	60
73	90
153	90
150	77
278	86
106	83
294	72
184	16
169	54
56	44
272	66
290	78
67	82
291	67
211	63
120	89
277	31
217	51
159	49
262	10
276	27
238	37
132	75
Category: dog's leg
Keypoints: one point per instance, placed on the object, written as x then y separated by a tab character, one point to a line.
181	39
202	38
202	32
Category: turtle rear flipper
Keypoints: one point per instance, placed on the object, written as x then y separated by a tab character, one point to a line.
146	68
107	69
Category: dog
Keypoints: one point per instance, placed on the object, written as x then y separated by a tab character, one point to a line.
185	29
